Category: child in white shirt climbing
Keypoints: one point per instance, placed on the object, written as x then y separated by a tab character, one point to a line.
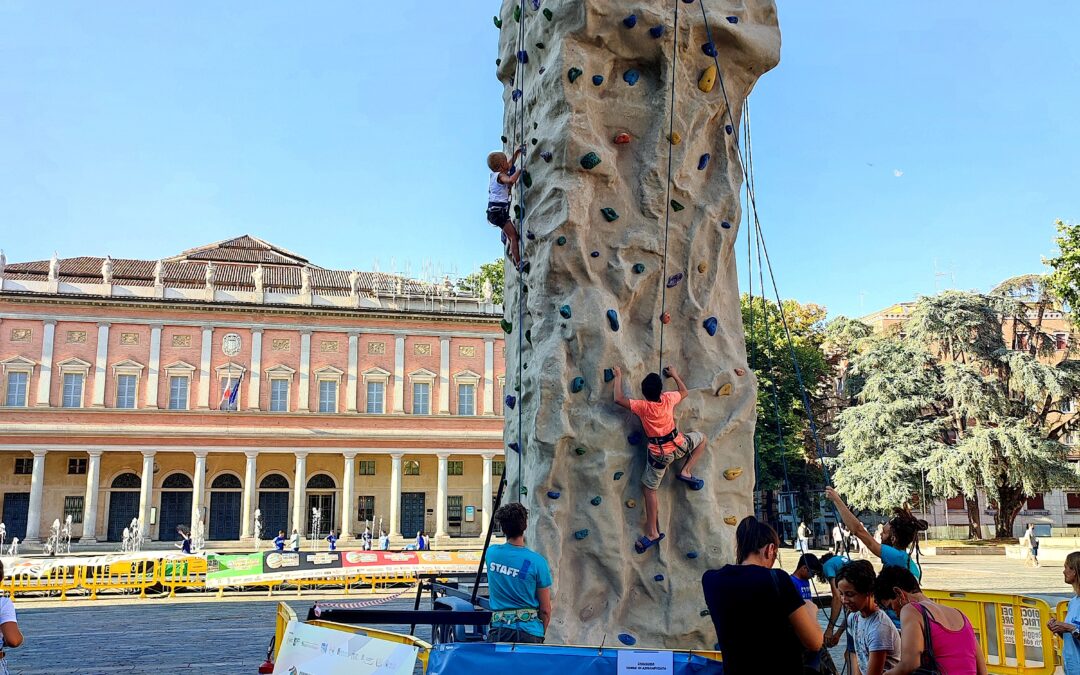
498	208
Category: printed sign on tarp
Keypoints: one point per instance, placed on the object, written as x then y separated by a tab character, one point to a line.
225	569
314	649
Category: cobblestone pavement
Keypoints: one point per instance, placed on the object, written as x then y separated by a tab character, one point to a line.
199	634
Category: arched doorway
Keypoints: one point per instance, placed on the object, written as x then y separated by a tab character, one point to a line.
322	495
175	506
123	504
225	495
274	505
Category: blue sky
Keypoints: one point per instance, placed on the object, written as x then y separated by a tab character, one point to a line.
351	132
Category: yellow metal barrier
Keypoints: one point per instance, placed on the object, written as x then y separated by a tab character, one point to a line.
137	575
186	573
998	619
58	579
285	614
386	579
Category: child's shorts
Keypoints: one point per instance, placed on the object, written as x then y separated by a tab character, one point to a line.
656	465
498	213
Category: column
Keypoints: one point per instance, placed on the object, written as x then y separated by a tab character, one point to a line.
395	494
305	373
348	500
444	375
45	376
299	507
155	366
37	490
100	364
90	500
247	512
399	374
486	498
146	492
440	497
198	494
489	376
350	383
254	391
204	368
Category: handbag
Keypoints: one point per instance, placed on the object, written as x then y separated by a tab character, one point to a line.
928	664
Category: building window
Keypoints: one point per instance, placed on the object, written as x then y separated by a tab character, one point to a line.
412	467
1068	406
178	392
421	398
1072	501
365	511
453	509
367	467
466	404
375	397
73	506
230	397
73	390
279	395
455	468
956	503
498	467
24	466
1061	341
76	466
16	390
1035	503
328	396
125	391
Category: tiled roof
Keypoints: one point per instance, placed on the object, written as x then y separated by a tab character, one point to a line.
234	260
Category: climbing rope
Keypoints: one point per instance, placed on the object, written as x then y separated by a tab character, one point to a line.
519	138
667	197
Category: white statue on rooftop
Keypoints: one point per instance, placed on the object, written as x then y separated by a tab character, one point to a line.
3	264
354	282
447	285
107	270
211	275
486	291
54	267
257	275
159	269
305	280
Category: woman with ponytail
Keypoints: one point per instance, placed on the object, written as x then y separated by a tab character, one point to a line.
898	536
762	623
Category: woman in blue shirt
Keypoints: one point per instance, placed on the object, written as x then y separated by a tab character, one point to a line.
1069	629
897	536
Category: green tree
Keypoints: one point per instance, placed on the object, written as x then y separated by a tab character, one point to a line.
1064	281
493	272
950	401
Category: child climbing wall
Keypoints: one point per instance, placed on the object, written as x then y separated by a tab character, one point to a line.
629	206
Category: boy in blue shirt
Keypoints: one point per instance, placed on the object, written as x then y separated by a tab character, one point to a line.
519	583
279	540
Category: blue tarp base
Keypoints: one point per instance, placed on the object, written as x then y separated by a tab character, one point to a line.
477	658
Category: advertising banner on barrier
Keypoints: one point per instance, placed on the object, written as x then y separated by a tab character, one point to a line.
41	566
231	568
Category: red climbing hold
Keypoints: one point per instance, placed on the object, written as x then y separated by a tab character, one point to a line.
665	318
622	139
740	372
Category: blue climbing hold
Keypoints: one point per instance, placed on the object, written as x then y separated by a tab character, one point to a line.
536	4
635	438
674	280
658	577
546	155
703	162
529	235
581	534
564	311
577	384
710	325
523	56
638	268
553	494
613	319
510	401
543	69
709	48
595	501
598	80
733	19
631	77
514	446
610	214
595	254
729	129
626	638
691	554
726	225
656	31
573	74
609	374
618	475
630	21
561	241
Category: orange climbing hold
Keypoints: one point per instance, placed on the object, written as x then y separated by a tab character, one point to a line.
622	139
740	372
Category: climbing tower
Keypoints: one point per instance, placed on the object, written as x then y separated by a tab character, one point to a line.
629	211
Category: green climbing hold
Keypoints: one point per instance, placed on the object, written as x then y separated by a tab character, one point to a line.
675	206
573	74
561	241
498	21
548	14
595	501
618	475
528	336
704	612
498	62
540	45
579	451
565	311
517	211
609	374
524	490
577	384
590	160
517	13
639	268
581	534
609	214
503	139
526	178
507	326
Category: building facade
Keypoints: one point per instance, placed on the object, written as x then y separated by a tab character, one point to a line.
238	378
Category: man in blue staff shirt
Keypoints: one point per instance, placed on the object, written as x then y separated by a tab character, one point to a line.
519	581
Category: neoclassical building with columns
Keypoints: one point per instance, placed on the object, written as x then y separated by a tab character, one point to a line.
237	377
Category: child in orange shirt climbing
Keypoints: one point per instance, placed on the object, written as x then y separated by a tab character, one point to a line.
503	177
666	443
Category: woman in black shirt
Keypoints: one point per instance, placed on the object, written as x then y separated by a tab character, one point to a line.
762	623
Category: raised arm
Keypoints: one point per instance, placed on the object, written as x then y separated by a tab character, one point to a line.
674	374
853	523
620	397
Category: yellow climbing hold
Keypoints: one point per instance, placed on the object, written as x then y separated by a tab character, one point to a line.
701	267
630	503
731	520
732	474
708	79
675	138
724	390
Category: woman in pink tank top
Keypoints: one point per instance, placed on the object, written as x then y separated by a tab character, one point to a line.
952	639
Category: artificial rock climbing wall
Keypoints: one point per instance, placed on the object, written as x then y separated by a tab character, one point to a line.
588	90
